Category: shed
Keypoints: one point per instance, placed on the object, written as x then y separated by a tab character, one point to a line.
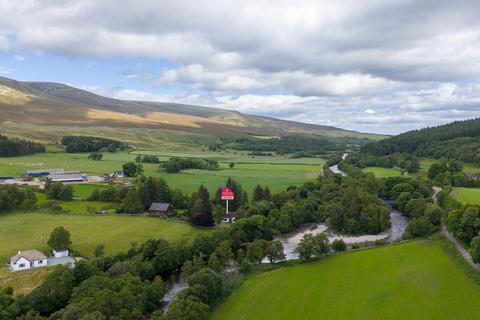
157	208
60	253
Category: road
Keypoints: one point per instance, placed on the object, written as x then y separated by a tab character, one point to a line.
464	252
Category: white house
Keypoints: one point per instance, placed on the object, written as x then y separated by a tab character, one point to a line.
60	253
29	259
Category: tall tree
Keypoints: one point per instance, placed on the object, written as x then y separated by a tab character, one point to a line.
132	203
202	211
59	238
258	193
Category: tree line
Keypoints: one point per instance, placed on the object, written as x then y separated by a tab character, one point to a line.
11	147
408	162
75	144
177	164
457	140
307	146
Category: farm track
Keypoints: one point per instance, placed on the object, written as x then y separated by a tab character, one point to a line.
464	252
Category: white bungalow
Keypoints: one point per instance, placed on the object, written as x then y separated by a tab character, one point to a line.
29	259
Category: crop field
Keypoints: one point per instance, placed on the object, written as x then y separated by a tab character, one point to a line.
277	172
383	172
467	195
414	280
87	231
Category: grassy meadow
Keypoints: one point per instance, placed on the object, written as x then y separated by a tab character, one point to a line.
116	232
467	195
277	172
380	172
414	280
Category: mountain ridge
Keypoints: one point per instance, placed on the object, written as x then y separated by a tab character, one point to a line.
57	104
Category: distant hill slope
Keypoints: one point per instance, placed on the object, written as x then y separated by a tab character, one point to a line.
457	140
45	109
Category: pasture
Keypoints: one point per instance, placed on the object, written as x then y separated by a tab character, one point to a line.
414	280
467	195
278	172
22	231
380	172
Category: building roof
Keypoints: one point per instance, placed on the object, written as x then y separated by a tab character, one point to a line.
30	255
60	250
159	207
67	177
50	171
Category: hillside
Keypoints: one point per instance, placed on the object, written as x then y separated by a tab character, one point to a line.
48	110
457	140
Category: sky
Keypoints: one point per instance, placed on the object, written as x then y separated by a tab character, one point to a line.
383	66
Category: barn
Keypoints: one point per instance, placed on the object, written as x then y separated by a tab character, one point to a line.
161	209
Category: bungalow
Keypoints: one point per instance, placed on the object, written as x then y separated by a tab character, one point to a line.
161	209
30	259
228	218
24	260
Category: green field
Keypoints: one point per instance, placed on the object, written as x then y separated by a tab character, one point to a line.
414	280
23	231
467	195
277	172
426	163
380	172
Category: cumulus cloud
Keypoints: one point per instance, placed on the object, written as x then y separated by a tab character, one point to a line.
346	62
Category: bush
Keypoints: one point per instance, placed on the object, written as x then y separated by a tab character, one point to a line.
339	245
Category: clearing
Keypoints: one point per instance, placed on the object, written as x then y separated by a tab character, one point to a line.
380	172
467	195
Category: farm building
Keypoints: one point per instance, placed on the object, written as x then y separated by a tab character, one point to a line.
44	172
68	177
29	259
161	209
118	175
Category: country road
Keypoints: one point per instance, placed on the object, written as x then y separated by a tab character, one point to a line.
464	252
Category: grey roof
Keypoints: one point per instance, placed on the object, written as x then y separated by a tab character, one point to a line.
159	206
60	249
67	177
30	255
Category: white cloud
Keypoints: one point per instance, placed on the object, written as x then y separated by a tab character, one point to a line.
356	64
19	58
6	70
